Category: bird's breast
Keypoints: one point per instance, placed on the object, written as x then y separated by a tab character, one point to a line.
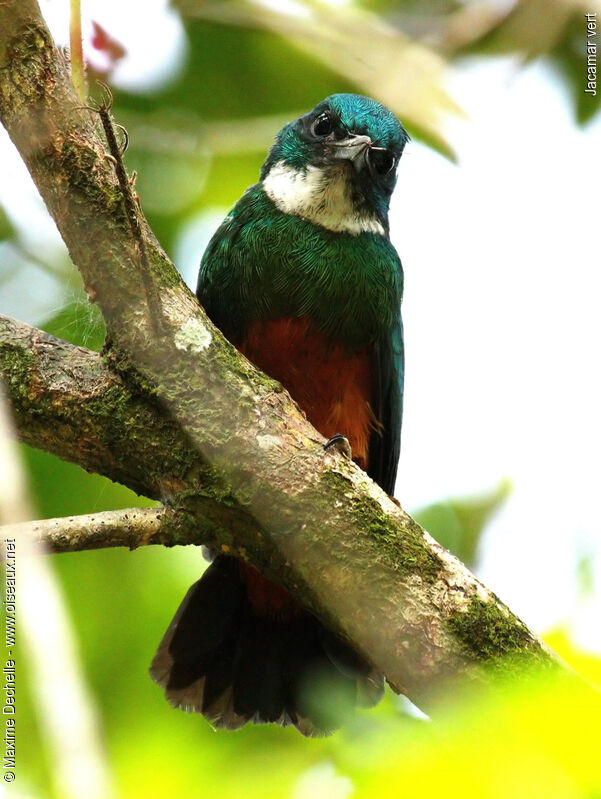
267	265
331	385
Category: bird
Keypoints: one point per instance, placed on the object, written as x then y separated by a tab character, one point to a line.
303	279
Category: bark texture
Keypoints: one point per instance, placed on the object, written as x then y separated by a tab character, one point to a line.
223	445
133	528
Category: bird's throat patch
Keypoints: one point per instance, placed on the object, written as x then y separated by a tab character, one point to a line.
322	196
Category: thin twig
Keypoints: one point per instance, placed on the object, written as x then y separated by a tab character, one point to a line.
132	527
78	75
130	204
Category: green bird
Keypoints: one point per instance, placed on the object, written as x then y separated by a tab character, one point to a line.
302	277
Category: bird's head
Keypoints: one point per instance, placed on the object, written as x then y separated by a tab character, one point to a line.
337	163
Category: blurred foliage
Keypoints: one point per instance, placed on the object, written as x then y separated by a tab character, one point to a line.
586	573
6	228
458	523
6	237
555	31
530	742
197	144
79	322
362	49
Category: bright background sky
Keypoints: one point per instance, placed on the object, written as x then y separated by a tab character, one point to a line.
501	262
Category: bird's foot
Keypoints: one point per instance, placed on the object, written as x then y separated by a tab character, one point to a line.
341	444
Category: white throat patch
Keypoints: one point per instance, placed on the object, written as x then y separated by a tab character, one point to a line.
320	196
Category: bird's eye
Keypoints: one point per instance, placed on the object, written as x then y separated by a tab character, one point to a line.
381	161
322	126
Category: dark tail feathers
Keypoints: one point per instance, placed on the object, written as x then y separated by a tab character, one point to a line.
219	657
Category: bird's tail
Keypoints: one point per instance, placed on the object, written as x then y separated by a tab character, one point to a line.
240	649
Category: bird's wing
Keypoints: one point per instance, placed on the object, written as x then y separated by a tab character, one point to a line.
387	402
222	271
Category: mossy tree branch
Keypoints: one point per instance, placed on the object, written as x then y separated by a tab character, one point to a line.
68	401
313	522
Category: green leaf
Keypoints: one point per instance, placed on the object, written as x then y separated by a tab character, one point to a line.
359	50
537	29
7	231
79	322
535	740
458	523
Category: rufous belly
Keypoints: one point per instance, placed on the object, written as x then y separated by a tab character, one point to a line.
332	387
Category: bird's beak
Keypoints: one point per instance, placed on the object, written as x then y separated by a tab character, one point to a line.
352	148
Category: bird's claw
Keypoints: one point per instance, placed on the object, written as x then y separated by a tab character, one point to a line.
341	444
